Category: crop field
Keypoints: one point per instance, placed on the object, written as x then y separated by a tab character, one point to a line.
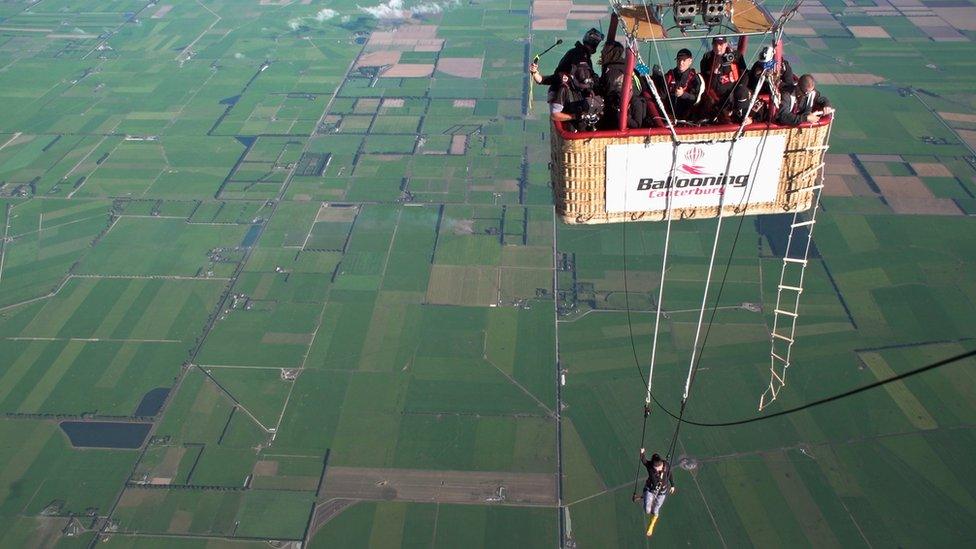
288	272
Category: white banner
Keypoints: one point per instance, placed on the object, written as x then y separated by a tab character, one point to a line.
639	176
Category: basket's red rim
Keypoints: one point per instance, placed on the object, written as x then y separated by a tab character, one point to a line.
685	130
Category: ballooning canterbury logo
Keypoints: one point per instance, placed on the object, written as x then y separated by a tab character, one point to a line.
696	179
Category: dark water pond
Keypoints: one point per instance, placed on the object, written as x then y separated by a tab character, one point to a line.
105	434
152	402
251	236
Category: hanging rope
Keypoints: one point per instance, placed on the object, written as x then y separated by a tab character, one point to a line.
693	363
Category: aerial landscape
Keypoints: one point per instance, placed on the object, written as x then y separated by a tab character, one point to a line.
291	273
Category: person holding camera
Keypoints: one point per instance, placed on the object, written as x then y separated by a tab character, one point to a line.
574	103
721	68
802	103
684	86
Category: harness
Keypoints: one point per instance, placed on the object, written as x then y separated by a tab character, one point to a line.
686	79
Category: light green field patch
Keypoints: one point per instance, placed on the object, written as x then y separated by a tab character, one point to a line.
53	375
539	257
261	391
20	357
57	312
501	338
463	285
907	402
141	246
518	284
815	527
918	454
121	306
580	479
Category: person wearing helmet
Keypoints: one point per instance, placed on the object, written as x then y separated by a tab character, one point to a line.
659	485
767	62
684	86
576	61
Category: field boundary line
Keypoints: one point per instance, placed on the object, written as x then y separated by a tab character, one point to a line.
188	49
6	229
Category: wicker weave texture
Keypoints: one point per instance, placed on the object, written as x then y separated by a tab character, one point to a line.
579	176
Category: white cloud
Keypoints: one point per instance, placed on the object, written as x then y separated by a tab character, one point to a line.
325	14
395	9
322	16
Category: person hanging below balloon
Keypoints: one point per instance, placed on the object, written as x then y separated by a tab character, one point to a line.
659	485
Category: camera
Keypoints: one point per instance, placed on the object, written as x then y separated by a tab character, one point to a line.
728	58
592	112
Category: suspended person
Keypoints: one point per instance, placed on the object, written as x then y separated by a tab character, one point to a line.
659	485
802	103
684	86
613	64
721	68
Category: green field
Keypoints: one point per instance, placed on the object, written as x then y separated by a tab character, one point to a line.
313	245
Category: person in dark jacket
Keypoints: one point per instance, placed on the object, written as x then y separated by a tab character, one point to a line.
802	104
684	86
658	486
721	68
580	54
566	103
613	63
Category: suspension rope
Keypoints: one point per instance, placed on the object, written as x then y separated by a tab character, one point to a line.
664	271
697	353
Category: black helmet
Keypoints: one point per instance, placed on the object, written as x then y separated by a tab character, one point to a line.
592	38
684	53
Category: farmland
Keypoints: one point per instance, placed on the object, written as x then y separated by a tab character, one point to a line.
289	271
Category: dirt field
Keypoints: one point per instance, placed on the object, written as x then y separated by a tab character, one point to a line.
836	186
924	169
333	213
868	31
417	485
902	187
266	468
407	70
847	79
923	206
958	117
840	164
459	144
462	67
378	59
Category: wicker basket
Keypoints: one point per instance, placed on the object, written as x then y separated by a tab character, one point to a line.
579	174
